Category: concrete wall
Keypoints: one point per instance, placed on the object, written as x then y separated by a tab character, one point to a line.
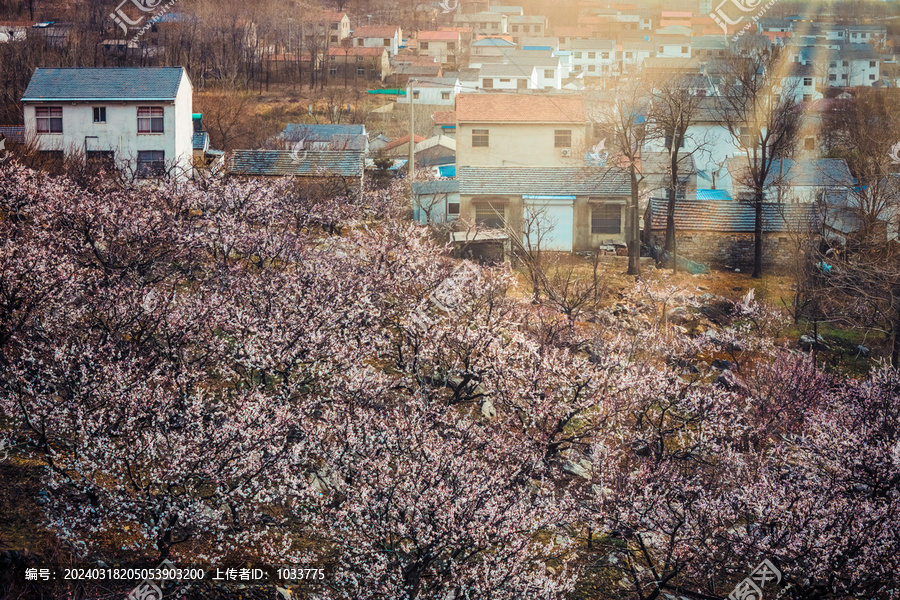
513	206
522	144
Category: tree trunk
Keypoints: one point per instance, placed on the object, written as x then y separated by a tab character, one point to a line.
758	236
634	237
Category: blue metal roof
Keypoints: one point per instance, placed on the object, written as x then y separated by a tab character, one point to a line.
74	84
713	195
276	163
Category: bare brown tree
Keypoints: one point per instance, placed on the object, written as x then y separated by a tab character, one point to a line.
762	119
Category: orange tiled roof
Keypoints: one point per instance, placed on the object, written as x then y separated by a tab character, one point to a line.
375	31
444	117
521	108
438	36
400	141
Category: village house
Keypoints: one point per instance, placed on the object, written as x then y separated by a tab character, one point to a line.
594	58
720	233
520	168
442	46
388	37
522	26
138	118
358	62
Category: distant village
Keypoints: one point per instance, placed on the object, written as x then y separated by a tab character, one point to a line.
514	107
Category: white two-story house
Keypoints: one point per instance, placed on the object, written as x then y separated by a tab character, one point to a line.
137	118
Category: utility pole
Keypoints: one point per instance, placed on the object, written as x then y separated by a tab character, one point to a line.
411	164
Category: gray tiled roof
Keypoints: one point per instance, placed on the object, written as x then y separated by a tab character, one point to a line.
477	181
200	140
275	163
729	216
443	186
104	84
14	133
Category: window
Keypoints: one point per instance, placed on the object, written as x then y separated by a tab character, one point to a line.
415	94
151	163
854	35
480	138
807	97
487	83
487	215
591	68
524	28
99	114
871	64
387	42
807	81
809	143
423	45
745	137
578	55
359	42
515	29
604	55
445	95
332	70
629	55
106	157
495	26
150	119
49	119
562	138
668	142
845	63
333	39
832	65
332	58
832	77
453	208
359	59
844	76
360	70
592	55
451	45
684	49
504	80
548	73
522	84
871	77
606	219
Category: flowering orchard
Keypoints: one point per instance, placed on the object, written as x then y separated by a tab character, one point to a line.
235	370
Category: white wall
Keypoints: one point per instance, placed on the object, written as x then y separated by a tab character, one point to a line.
119	132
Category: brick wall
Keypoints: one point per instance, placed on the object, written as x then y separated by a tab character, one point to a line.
734	250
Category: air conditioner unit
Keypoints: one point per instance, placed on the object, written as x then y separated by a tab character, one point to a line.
565	152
